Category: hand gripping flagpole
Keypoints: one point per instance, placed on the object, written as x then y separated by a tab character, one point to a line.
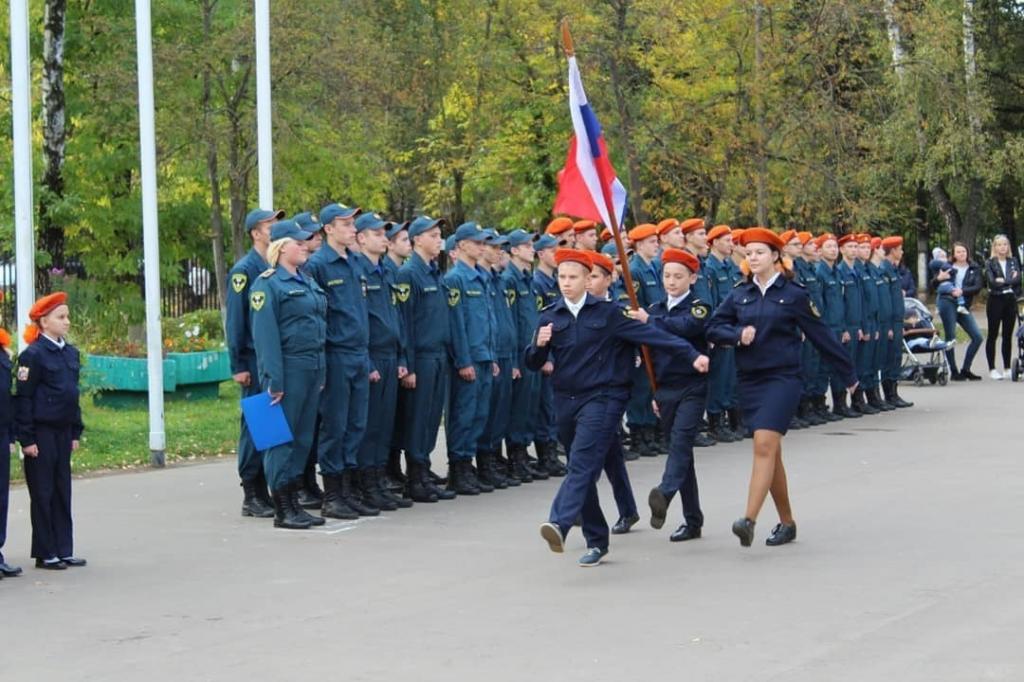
609	205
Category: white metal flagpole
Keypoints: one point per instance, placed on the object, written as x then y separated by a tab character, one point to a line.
21	105
150	233
264	142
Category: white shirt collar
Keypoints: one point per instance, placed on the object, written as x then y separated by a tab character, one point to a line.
765	287
57	342
674	301
575	308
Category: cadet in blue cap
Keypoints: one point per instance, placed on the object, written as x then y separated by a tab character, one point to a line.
399	248
546	288
424	303
308	222
338	271
387	360
583	334
242	354
473	360
834	316
289	329
522	428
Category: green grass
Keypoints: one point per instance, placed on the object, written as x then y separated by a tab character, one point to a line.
119	439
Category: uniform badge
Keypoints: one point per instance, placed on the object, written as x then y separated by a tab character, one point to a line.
402	292
257	300
625	312
540	302
363	284
238	281
22	373
699	311
814	308
510	297
636	286
453	297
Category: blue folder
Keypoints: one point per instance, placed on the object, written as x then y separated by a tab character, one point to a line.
267	423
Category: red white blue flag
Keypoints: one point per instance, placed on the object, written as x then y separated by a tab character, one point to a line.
588	178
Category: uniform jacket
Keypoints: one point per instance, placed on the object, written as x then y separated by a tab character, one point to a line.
722	277
471	319
645	278
834	310
526	306
424	304
341	278
686	320
503	301
853	299
882	296
546	287
239	328
387	338
47	390
869	295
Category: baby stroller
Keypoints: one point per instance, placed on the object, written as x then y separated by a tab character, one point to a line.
924	353
1017	368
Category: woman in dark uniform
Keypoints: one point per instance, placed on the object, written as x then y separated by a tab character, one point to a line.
289	329
763	317
48	424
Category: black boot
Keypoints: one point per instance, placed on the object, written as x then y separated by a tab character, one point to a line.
487	472
628	452
548	463
432	486
458	481
822	409
638	441
892	395
517	464
703	440
860	403
649	437
736	424
310	495
839	406
717	429
297	508
334	506
875	400
473	476
284	515
393	472
808	414
370	491
503	465
252	504
350	495
415	485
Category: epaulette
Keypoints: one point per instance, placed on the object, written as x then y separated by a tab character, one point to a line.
267	273
743	280
549	306
799	284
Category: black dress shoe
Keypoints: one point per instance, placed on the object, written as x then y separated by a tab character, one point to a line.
659	507
684	532
781	534
623	525
55	565
957	376
8	571
74	561
744	530
970	376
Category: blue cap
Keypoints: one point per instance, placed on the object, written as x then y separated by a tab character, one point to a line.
518	237
472	232
545	241
307	222
290	229
423	223
610	250
331	211
449	244
370	221
258	215
495	238
396	228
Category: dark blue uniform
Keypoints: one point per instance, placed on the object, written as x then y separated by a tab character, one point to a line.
6	419
649	290
289	314
526	391
809	361
883	322
853	308
424	304
346	394
866	351
47	414
680	396
507	354
721	277
834	315
769	369
242	352
546	421
591	390
473	332
894	290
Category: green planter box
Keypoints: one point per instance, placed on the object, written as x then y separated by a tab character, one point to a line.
200	374
124	382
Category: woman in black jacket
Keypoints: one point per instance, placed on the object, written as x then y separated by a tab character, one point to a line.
1002	273
966	278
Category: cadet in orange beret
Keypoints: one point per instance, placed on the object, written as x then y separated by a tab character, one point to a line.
644	267
724	421
561	230
670	234
892	252
48	424
585	232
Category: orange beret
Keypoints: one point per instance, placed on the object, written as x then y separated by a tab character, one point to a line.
736	233
892	242
863	238
46	305
584	225
5	339
846	239
572	256
606	234
691	225
761	235
559	225
602	261
667	224
718	231
682	257
643	231
804	237
821	239
876	242
787	236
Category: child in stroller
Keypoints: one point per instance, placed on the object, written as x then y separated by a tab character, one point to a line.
924	353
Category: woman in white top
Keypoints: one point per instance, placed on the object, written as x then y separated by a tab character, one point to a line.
1002	273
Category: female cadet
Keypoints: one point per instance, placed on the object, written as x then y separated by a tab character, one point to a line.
289	325
763	318
48	424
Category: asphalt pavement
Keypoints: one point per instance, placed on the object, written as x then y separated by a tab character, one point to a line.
909	566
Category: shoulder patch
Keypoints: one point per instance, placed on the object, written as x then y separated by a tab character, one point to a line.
267	273
454	296
22	373
257	299
540	302
699	311
238	281
510	297
814	308
625	311
402	291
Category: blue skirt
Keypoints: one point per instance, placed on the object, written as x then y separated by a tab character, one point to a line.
769	399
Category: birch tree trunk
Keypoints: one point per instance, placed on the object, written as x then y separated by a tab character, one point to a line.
969	227
54	137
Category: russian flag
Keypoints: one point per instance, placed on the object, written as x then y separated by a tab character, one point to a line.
588	177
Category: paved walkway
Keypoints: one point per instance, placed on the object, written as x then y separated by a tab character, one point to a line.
909	566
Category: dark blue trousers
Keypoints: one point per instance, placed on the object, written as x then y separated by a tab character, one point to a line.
250	462
586	424
5	485
48	476
866	370
525	398
639	411
681	409
380	420
810	362
894	360
466	417
722	380
343	411
618	477
303	379
425	404
546	418
501	404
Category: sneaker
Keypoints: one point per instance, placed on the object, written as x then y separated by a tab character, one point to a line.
593	557
962	310
1007	374
552	534
996	375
